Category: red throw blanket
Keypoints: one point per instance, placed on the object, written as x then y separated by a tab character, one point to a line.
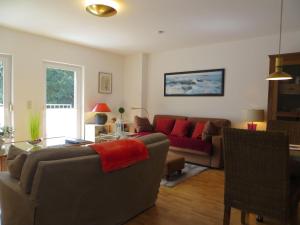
119	154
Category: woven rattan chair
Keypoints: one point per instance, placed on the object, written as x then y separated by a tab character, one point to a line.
257	175
291	127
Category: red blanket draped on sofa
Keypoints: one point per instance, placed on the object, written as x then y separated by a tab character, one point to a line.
119	154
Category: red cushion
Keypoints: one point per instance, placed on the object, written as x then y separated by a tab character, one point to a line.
198	130
164	125
181	128
190	143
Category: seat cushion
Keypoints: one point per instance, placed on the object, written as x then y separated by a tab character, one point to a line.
142	124
140	134
164	125
181	128
191	143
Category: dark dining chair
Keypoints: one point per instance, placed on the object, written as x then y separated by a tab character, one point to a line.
291	127
257	176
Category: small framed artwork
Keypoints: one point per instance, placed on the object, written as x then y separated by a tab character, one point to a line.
195	83
105	83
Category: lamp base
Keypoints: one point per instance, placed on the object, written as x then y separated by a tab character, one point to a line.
101	118
252	126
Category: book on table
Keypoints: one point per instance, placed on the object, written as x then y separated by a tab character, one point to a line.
76	141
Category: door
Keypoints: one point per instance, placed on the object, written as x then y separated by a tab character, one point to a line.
5	90
63	115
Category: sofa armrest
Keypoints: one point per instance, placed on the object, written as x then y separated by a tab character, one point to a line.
16	207
217	155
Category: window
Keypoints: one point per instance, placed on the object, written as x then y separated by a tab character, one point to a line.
5	90
63	101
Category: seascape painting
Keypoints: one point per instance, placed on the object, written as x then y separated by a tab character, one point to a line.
195	83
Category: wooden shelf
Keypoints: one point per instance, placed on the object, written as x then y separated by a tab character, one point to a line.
289	89
283	96
288	114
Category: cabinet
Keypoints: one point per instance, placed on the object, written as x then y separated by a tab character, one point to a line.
92	131
284	96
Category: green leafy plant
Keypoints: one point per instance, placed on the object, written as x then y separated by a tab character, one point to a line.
6	132
34	126
121	111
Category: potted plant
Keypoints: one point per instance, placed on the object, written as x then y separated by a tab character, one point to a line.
34	128
6	132
121	111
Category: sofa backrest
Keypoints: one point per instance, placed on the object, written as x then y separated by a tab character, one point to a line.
63	152
218	122
77	191
167	116
47	154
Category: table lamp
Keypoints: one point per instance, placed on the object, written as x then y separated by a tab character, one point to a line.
254	115
100	116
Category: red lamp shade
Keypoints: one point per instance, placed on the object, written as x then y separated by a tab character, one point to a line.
101	107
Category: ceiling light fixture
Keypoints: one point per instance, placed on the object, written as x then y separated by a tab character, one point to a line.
279	74
102	8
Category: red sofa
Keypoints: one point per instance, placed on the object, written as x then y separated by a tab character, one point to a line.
208	153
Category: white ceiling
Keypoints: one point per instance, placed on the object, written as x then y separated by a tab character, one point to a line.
134	29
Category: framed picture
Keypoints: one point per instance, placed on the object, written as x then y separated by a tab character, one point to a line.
195	83
105	83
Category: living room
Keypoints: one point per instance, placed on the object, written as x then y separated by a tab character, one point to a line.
137	46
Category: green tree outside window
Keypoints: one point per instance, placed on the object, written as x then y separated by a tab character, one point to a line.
60	86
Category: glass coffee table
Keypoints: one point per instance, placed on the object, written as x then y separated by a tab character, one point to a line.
45	142
113	136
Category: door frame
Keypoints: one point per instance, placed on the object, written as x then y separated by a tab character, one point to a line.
79	92
7	89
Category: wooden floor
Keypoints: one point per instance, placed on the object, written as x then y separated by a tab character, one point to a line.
197	201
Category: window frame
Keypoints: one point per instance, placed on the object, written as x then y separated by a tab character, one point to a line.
7	89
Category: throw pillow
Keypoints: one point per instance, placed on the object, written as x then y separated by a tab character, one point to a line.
13	152
142	124
209	130
198	130
164	125
15	160
181	128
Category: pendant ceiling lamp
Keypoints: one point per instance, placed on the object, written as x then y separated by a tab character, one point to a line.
279	74
102	8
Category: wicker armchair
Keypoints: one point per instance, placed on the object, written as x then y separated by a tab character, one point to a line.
257	175
291	127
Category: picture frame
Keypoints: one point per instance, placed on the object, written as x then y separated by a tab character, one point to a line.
105	83
195	83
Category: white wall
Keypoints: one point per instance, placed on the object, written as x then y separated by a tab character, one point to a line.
246	63
135	72
30	51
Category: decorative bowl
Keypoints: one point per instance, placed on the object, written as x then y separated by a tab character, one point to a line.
34	142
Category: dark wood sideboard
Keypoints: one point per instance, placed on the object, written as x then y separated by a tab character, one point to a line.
284	96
